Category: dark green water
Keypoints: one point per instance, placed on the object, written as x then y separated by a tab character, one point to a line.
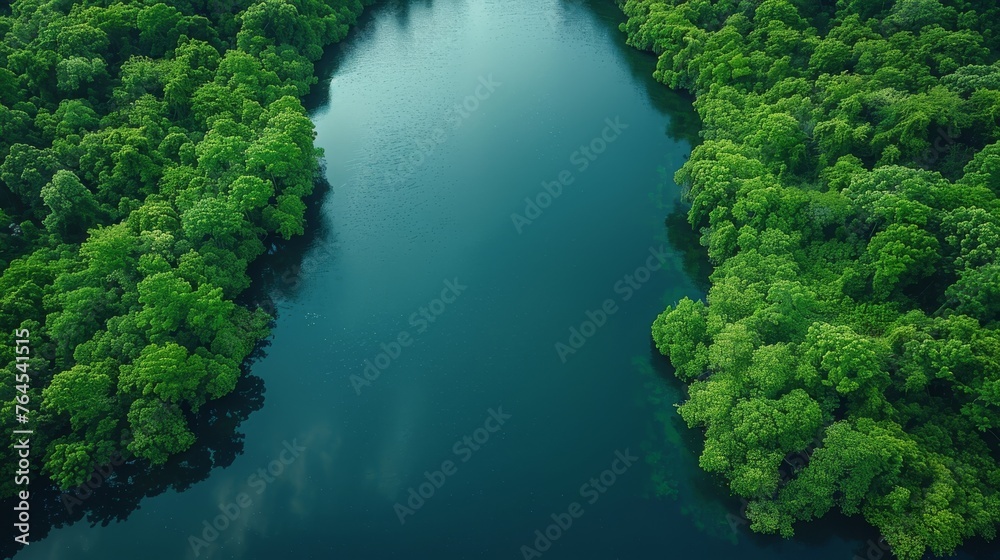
438	119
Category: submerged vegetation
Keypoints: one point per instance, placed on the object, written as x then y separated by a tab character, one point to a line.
846	191
148	150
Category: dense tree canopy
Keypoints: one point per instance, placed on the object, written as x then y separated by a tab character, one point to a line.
148	148
847	192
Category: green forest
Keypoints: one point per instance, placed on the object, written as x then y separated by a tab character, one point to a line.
846	191
149	150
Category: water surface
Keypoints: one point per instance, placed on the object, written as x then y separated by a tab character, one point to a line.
438	119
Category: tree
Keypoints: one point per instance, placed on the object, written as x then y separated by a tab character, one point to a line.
681	335
901	255
86	395
977	292
249	193
846	191
159	28
72	208
286	217
158	430
26	170
215	218
81	40
126	131
76	71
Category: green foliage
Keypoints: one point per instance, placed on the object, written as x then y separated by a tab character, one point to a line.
72	208
847	192
681	335
147	149
157	430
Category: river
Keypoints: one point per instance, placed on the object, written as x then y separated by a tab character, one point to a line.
462	355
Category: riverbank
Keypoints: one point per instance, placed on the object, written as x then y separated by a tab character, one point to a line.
843	191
